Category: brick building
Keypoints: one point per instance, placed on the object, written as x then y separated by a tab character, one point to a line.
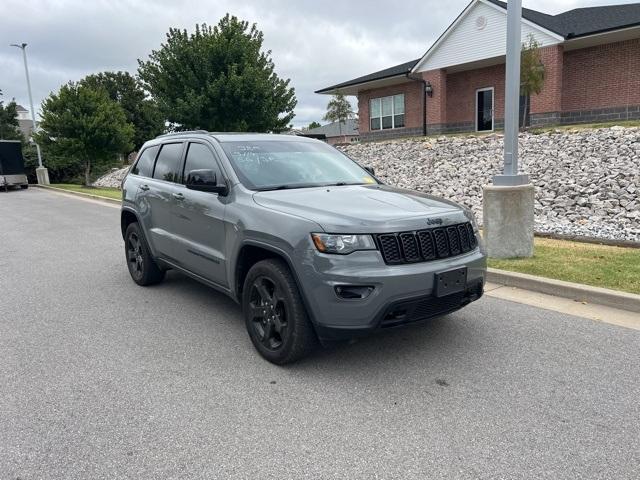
592	73
338	133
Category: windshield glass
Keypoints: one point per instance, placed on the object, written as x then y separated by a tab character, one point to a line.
272	164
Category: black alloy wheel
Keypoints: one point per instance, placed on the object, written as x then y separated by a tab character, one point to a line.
142	267
268	313
274	314
134	256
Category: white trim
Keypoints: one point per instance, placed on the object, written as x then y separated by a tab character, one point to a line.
462	15
493	105
555	35
393	111
444	35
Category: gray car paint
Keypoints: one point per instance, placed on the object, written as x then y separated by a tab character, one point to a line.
203	234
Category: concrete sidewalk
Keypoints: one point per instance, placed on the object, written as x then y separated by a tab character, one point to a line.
592	311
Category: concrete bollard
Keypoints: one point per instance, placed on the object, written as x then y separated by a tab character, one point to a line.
42	174
508	220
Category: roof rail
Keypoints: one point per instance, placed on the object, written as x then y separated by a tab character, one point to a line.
181	133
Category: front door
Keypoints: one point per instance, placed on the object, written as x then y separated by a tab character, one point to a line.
484	109
199	219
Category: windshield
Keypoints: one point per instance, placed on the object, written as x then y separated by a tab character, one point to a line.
273	164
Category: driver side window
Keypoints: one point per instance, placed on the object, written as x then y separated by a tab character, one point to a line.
200	157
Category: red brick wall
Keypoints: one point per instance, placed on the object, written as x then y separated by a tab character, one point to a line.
550	98
602	77
461	91
437	103
412	103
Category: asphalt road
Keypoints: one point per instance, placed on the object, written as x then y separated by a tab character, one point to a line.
100	378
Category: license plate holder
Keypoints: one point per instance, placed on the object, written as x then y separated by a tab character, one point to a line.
450	282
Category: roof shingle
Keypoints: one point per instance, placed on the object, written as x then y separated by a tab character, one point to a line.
574	23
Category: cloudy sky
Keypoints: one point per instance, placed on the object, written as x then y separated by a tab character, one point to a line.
314	43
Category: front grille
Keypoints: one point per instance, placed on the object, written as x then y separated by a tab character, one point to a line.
423	309
425	245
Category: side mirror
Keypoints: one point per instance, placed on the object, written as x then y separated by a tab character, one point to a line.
205	181
370	170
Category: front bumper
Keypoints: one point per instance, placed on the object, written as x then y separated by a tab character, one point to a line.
401	294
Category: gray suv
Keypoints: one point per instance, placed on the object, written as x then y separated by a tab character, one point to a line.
311	244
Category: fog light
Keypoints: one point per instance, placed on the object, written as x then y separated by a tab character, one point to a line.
351	292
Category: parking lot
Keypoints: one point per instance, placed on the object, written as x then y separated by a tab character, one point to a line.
105	379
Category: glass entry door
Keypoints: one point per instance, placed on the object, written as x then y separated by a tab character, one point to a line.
484	109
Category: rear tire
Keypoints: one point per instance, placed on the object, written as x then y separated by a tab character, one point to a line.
275	316
142	267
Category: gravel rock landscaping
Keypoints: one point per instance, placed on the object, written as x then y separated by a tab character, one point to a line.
587	181
113	179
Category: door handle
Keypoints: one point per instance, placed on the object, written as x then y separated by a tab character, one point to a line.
178	196
144	187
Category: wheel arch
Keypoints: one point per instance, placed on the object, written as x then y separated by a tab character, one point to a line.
249	254
127	217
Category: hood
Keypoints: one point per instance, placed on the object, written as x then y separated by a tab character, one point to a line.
363	208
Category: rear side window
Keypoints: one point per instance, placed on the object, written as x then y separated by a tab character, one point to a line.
168	163
199	157
144	165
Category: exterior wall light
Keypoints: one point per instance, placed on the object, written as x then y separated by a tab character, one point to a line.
428	89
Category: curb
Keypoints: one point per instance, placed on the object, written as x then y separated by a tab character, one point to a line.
80	194
583	239
560	288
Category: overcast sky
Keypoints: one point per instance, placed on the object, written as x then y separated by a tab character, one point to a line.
314	43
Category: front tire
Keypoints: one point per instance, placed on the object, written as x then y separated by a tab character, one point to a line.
142	267
275	316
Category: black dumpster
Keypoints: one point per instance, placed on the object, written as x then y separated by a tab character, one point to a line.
12	165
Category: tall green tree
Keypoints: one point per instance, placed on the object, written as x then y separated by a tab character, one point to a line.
313	125
531	73
142	112
9	126
218	79
339	110
81	127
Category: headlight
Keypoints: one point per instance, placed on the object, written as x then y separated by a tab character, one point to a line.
342	244
471	217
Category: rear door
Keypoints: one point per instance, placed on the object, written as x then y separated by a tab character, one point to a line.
156	199
199	217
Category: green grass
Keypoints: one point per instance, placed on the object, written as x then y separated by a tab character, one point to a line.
598	265
114	193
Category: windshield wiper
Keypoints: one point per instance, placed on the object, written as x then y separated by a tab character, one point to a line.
289	187
341	184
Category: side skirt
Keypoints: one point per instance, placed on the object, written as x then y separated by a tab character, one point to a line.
168	263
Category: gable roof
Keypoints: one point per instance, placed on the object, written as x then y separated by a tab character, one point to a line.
397	70
584	21
350	127
574	23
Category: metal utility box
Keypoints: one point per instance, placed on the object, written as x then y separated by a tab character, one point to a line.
12	165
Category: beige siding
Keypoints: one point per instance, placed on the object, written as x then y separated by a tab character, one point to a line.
467	43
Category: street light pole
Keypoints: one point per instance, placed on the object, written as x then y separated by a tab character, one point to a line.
510	174
41	171
508	204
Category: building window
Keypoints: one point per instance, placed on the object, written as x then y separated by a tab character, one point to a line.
387	112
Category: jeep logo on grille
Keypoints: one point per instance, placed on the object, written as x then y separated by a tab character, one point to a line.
434	221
